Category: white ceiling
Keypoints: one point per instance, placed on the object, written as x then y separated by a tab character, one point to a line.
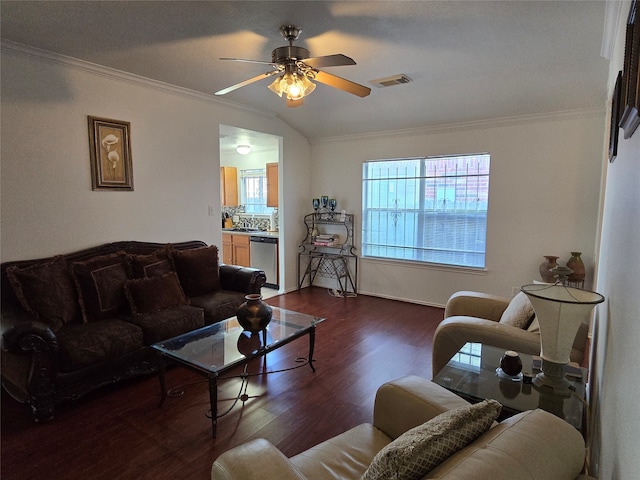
469	60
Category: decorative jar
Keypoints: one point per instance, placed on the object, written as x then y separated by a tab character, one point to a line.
254	315
575	263
545	269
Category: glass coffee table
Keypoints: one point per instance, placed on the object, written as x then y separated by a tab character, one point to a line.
472	375
217	348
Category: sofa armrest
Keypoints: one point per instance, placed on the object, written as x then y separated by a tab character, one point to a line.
476	304
241	279
255	460
410	401
454	332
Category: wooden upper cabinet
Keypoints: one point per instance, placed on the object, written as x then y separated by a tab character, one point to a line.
229	186
272	184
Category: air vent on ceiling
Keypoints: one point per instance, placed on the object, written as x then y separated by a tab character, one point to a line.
389	81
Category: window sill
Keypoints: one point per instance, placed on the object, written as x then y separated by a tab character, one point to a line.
430	266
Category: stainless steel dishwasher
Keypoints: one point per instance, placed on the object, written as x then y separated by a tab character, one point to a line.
264	255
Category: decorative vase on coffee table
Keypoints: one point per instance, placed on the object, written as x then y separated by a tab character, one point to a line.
254	315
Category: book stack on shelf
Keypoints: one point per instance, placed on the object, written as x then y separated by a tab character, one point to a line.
325	240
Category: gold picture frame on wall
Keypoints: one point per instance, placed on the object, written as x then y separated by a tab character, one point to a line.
110	150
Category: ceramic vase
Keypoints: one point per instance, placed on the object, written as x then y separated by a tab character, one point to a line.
254	315
510	363
545	269
575	263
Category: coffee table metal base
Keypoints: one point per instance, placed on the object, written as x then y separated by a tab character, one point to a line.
212	376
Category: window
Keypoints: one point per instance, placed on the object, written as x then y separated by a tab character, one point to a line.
431	210
253	190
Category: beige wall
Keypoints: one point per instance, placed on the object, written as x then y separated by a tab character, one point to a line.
615	390
48	206
544	194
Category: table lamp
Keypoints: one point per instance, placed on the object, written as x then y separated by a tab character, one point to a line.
560	311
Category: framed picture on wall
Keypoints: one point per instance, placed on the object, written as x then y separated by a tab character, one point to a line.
110	150
630	103
614	129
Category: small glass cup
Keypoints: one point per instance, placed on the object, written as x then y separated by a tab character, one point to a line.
325	200
333	204
316	203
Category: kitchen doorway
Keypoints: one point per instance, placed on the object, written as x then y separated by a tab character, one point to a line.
250	189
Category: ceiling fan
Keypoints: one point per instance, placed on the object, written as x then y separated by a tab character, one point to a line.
295	70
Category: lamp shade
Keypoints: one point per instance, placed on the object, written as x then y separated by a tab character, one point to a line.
560	311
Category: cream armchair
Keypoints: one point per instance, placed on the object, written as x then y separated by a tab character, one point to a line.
475	317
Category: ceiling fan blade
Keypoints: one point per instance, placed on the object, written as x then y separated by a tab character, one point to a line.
342	84
246	82
336	60
294	103
248	61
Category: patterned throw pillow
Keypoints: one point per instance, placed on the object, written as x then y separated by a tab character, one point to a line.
100	282
46	291
197	269
519	312
419	450
147	266
148	295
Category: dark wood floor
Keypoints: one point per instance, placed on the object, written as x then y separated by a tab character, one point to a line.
119	432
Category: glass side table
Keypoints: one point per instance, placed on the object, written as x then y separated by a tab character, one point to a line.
471	374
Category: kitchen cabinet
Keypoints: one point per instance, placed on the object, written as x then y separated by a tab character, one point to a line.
272	184
229	186
235	250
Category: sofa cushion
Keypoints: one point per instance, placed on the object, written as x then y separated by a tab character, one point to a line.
197	269
417	451
218	305
91	343
46	291
148	295
100	282
519	313
168	323
145	266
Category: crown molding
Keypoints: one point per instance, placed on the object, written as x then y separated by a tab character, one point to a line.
611	23
472	125
46	56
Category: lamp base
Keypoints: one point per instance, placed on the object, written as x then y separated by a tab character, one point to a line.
553	376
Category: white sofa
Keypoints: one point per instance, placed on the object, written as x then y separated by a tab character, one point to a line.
533	445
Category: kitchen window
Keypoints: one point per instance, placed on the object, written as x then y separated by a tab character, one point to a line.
429	210
253	191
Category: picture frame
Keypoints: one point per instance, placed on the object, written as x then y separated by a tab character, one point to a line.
614	129
630	103
110	151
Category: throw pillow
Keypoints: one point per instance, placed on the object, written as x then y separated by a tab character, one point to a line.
100	282
145	266
519	312
46	291
197	269
154	294
419	450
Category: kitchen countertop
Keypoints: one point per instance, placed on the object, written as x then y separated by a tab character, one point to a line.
255	233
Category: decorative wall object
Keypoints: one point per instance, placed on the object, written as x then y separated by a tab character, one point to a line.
614	128
630	104
110	150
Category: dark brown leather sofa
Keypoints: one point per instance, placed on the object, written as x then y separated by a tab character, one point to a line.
75	322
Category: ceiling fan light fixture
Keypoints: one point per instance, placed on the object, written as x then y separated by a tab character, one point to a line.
243	149
292	85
